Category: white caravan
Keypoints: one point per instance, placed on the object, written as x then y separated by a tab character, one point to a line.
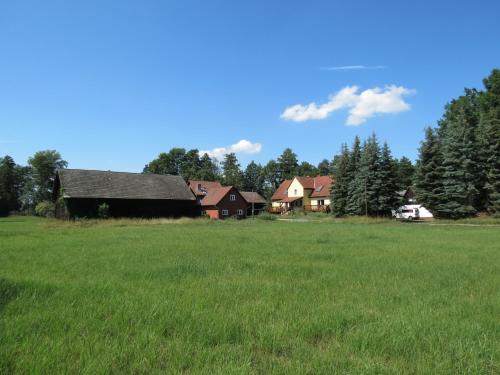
412	212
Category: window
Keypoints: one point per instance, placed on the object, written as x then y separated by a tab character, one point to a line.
318	189
225	212
295	192
199	186
321	202
286	192
232	197
240	211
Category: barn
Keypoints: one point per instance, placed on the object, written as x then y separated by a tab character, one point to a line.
79	193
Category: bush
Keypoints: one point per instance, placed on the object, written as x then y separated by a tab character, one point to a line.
265	216
4	207
45	209
103	211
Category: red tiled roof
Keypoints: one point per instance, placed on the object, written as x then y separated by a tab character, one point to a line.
207	185
306	182
252	197
214	196
280	193
322	186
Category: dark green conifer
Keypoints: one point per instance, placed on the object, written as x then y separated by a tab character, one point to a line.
340	187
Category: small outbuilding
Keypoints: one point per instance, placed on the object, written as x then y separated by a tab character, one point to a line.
255	202
79	193
224	202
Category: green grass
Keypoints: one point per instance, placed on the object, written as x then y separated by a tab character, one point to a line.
248	297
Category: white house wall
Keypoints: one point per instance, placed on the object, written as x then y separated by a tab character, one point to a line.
314	201
295	189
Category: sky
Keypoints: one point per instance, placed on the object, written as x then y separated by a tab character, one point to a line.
111	84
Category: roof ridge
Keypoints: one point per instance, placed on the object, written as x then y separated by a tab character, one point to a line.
109	171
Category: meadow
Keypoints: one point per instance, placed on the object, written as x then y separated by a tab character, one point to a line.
248	297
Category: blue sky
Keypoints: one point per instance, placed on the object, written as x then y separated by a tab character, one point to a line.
110	84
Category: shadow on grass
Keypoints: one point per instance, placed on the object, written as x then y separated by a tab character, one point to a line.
8	292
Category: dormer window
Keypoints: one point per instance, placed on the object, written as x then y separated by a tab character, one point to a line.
318	189
232	197
199	186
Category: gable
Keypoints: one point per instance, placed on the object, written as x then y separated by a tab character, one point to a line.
282	190
215	197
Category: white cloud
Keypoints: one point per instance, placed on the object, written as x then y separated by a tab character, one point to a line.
354	67
241	147
362	106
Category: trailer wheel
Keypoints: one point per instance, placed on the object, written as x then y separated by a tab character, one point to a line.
410	218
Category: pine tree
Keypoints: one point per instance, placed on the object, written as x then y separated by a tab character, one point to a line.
365	194
354	205
232	172
492	185
428	179
405	173
9	185
190	165
461	171
209	170
458	181
387	183
490	131
340	186
288	164
253	178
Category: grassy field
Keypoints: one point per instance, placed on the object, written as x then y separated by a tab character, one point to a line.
248	297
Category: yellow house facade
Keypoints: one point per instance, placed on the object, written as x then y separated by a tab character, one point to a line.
308	193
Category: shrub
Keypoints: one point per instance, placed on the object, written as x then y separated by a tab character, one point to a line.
45	209
4	207
265	216
103	211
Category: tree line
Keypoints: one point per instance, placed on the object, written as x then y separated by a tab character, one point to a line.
22	188
263	179
457	173
458	169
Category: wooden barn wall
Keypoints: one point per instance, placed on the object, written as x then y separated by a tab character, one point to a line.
148	208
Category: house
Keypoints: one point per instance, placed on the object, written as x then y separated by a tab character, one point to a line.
255	202
308	193
407	195
224	202
79	192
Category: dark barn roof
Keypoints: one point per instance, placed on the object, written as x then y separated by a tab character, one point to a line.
81	183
